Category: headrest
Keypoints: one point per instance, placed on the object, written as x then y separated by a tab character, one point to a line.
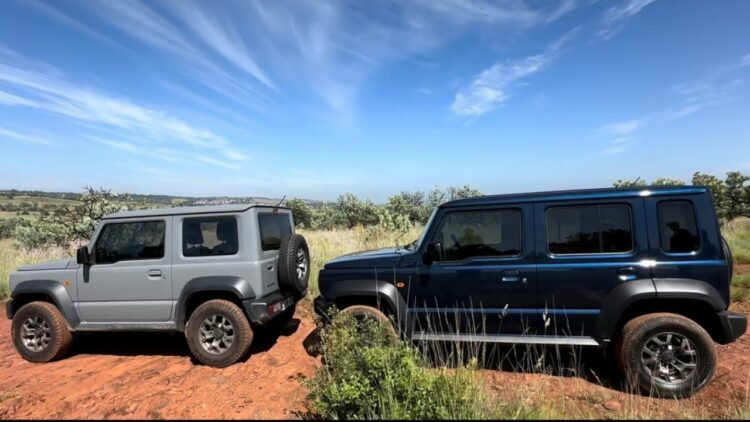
193	233
226	230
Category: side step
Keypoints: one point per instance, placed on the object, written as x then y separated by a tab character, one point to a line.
509	339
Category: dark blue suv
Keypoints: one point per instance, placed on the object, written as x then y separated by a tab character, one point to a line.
641	272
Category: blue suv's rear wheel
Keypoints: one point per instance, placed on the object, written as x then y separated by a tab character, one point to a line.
666	355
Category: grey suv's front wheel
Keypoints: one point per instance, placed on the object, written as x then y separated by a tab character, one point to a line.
666	355
218	333
40	333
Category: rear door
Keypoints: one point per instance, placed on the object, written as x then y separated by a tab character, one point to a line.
586	249
273	226
486	281
131	276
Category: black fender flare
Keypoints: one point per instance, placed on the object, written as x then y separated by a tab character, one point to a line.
381	290
667	289
685	288
54	289
617	301
237	286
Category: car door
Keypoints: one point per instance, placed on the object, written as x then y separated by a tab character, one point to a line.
130	278
585	250
485	282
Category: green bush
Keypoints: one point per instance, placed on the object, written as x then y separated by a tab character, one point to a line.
367	377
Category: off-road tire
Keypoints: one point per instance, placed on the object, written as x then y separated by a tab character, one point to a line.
59	335
289	277
360	312
638	331
241	327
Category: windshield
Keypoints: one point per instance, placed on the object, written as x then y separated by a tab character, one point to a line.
415	244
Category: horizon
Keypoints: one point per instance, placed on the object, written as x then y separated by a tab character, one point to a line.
314	100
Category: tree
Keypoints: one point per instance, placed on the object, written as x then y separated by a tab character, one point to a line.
356	212
301	212
72	224
463	192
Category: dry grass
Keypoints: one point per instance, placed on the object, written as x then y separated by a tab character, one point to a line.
328	244
737	233
12	257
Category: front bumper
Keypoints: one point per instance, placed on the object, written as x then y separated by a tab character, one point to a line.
262	310
734	325
322	307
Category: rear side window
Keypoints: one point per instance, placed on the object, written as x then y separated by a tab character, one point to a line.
481	233
589	229
130	241
209	236
677	227
273	228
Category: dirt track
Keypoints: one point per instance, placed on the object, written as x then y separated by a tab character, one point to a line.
137	375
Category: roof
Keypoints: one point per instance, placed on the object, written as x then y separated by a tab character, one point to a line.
581	194
202	209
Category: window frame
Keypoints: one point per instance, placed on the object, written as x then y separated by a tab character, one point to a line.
206	217
521	230
260	229
597	205
695	220
104	227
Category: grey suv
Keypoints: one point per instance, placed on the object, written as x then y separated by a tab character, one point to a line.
214	273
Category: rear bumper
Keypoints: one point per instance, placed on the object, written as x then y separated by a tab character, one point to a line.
9	308
262	310
734	325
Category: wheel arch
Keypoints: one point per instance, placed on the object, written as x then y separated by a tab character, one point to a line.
44	290
379	294
201	289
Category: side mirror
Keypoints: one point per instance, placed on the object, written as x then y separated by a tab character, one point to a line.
434	253
82	255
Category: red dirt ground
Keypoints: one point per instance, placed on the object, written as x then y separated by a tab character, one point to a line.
137	375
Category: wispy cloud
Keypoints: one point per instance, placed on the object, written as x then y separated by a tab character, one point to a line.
692	97
616	17
52	93
621	128
491	87
25	137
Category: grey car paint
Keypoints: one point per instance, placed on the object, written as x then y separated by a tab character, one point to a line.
146	294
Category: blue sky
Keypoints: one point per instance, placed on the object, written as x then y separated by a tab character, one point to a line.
317	98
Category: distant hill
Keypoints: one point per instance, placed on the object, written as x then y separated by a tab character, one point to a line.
152	199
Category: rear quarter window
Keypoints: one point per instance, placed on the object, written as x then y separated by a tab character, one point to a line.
678	230
273	228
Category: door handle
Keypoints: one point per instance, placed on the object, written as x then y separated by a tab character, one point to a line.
627	273
154	273
511	276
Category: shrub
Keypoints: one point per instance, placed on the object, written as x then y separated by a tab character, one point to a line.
8	226
300	211
365	376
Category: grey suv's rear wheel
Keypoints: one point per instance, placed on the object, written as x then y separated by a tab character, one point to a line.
218	333
40	333
294	263
666	355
